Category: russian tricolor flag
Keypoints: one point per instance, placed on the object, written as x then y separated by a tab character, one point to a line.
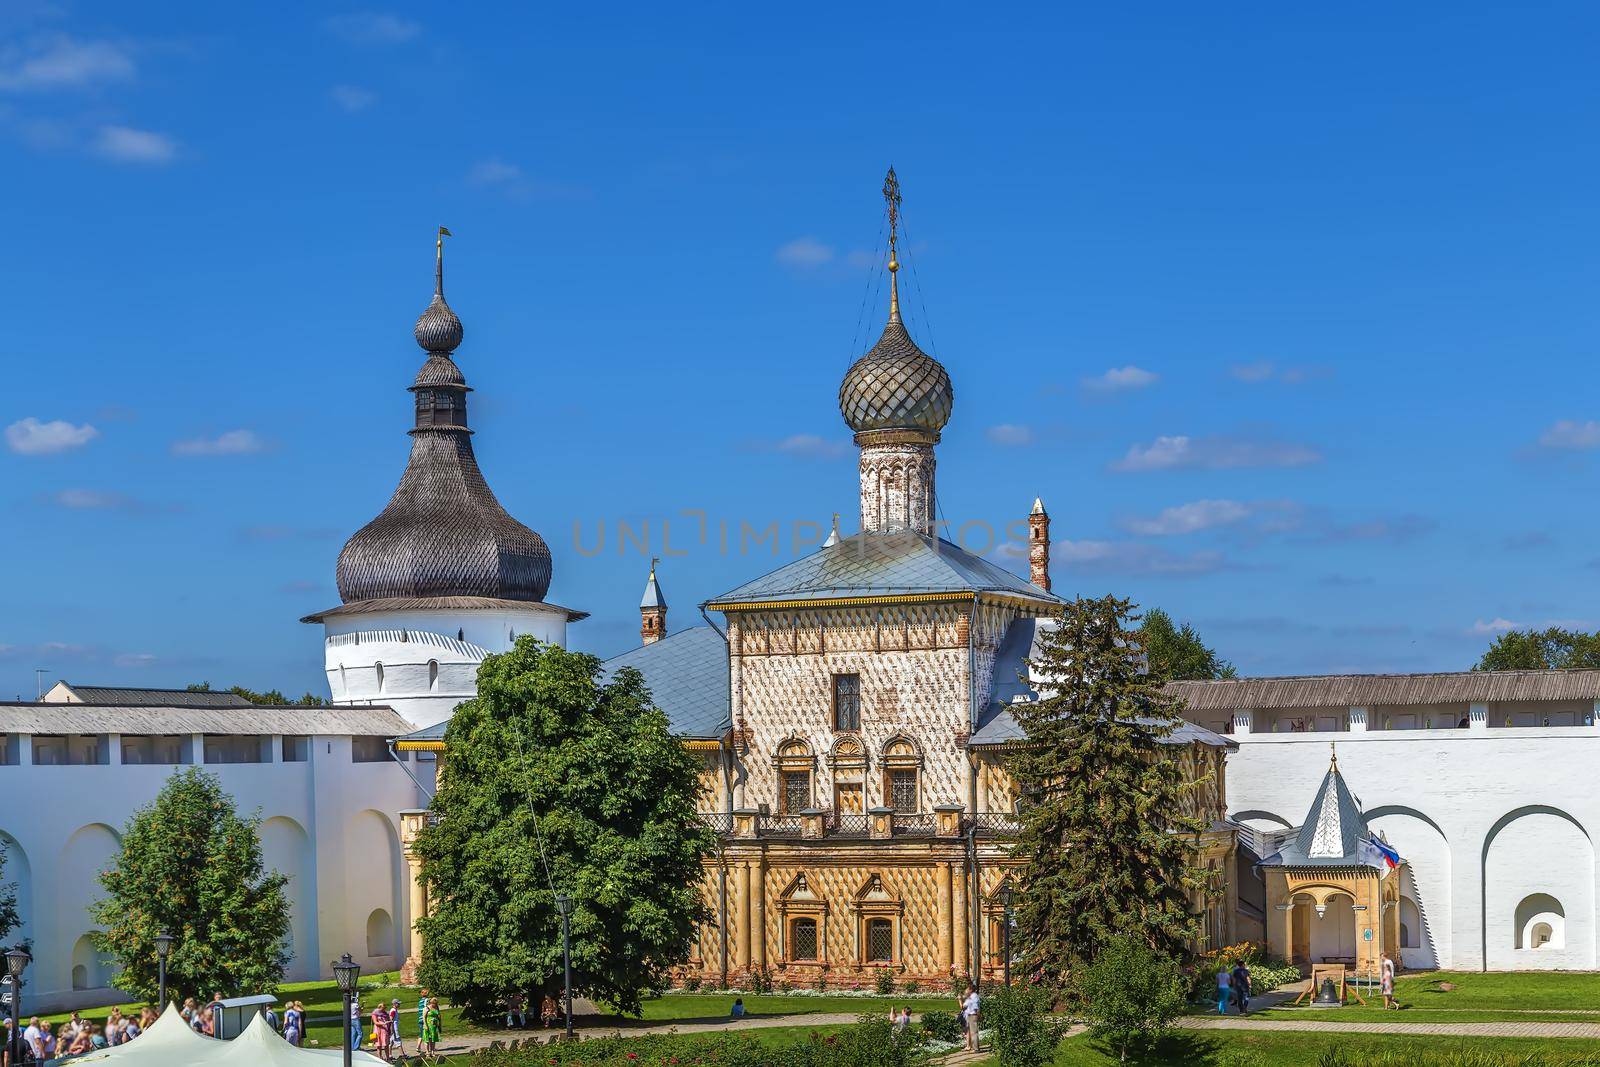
1391	858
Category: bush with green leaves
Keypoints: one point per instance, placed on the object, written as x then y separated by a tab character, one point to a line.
941	1025
883	981
1130	995
1022	1030
1462	1055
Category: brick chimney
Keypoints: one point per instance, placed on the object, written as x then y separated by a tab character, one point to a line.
652	610
1039	545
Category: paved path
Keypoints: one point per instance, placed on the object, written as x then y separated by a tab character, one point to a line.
1489	1029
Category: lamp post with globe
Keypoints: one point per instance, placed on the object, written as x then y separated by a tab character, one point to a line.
163	942
17	961
346	972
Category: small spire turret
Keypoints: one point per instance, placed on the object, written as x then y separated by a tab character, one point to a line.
652	610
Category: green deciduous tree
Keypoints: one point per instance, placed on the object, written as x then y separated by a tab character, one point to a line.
1106	834
271	697
1533	650
1131	994
10	918
1176	653
191	865
615	796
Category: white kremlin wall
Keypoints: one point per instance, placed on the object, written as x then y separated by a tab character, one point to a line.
329	823
424	663
1495	824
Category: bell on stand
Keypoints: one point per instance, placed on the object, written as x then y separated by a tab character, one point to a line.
1327	995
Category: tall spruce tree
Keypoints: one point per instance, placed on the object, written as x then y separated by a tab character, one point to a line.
1105	835
617	832
191	865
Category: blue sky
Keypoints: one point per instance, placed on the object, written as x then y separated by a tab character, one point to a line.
1288	316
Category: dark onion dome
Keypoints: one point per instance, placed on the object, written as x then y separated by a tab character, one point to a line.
438	330
896	386
443	533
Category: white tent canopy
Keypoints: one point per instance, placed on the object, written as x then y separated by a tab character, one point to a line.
170	1043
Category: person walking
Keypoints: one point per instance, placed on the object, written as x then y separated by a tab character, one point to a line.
355	1024
1224	988
380	1030
291	1024
969	1016
422	1015
431	1026
1241	987
1386	979
395	1040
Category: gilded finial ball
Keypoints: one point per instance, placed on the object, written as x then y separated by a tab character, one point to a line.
894	265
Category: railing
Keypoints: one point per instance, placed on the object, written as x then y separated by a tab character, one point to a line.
781	826
997	822
720	821
846	824
913	824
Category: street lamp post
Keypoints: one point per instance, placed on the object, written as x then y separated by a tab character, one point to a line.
164	942
1006	897
17	961
345	972
564	905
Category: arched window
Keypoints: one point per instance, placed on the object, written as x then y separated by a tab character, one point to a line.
1540	923
433	674
380	934
795	762
1410	924
880	940
902	767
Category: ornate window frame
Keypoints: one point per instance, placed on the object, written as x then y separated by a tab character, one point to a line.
900	753
793	755
848	761
874	901
800	901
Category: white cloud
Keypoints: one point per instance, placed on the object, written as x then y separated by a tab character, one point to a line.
1191	518
493	172
231	443
1010	434
1571	435
808	444
1264	370
372	27
1120	378
1181	452
60	62
133	659
30	437
1496	625
124	144
93	500
1131	557
804	253
352	98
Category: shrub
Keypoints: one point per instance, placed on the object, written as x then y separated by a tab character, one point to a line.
1131	993
760	980
883	981
941	1025
1022	1030
691	981
822	981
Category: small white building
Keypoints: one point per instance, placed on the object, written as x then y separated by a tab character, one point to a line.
323	780
1483	781
443	576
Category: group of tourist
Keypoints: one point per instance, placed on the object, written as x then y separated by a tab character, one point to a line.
1233	988
42	1040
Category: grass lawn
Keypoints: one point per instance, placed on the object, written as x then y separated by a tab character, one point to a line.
1543	996
1265	1049
323	1006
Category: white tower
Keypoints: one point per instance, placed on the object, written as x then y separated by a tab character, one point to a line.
443	576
